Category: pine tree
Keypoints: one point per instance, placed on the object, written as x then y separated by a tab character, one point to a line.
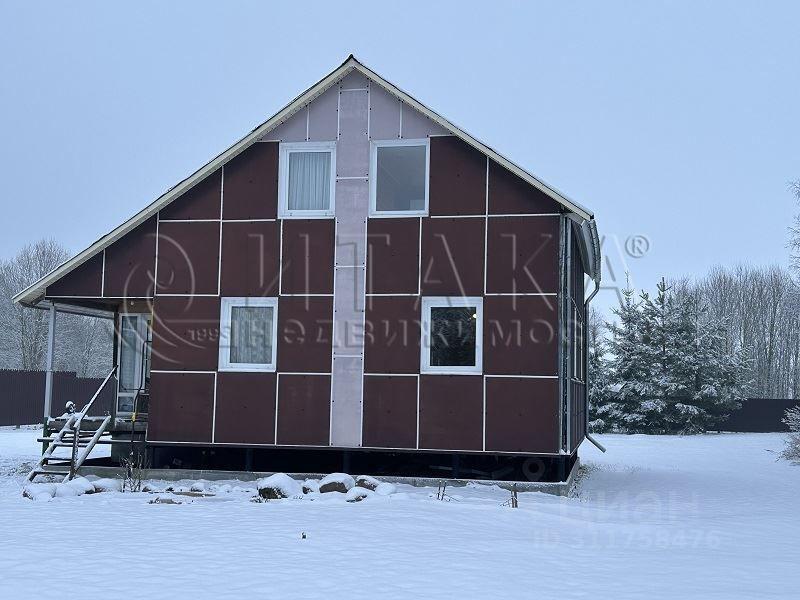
671	370
712	373
598	371
628	369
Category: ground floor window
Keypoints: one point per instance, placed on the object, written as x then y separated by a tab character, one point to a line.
452	335
248	332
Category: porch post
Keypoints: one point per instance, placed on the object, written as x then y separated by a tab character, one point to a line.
48	382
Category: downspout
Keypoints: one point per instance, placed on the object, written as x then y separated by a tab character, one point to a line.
588	435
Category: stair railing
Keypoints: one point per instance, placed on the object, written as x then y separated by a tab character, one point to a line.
75	463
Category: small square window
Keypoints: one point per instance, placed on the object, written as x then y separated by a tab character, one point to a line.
452	333
306	179
248	328
399	177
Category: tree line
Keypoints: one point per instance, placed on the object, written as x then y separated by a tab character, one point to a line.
83	344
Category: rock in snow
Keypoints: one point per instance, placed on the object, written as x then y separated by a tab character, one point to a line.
336	482
357	494
367	482
278	486
310	486
66	489
107	485
385	489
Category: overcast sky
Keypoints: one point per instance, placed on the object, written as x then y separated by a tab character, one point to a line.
679	122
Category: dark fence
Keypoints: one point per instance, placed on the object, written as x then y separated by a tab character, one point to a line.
759	415
22	395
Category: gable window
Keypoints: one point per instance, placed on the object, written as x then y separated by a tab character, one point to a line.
452	335
248	332
306	179
399	177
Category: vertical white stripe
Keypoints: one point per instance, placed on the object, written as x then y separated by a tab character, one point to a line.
275	440
221	204
484	413
419	259
280	259
155	266
214	411
418	376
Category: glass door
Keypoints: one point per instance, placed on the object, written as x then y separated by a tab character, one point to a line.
133	376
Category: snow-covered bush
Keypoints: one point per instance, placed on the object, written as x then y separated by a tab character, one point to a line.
792	419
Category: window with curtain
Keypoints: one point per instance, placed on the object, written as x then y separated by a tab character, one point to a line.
399	183
452	330
307	181
248	334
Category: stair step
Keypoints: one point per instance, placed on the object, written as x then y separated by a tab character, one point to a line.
53	472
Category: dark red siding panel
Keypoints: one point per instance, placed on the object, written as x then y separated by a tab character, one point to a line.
457	178
520	335
250	256
202	201
452	257
390	412
186	333
305	338
393	256
451	412
245	408
85	280
522	255
508	194
521	415
251	183
188	258
304	410
307	256
131	261
392	334
181	407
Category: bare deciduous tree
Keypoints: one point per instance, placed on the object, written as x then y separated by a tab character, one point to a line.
83	344
23	330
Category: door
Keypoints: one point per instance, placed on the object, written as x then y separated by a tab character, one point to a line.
135	340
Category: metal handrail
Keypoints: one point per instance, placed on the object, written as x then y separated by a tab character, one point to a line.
88	405
76	426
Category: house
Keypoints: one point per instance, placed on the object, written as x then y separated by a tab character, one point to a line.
356	284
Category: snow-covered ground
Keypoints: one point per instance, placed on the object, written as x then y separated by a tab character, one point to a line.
713	516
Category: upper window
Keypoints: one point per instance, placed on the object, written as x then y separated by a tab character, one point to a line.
307	179
452	332
248	331
399	177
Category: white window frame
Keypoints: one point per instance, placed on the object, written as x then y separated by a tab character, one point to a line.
226	310
373	179
429	302
285	149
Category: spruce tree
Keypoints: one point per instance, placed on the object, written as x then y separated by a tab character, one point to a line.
628	368
598	372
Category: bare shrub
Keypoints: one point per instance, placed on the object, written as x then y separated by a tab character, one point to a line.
792	419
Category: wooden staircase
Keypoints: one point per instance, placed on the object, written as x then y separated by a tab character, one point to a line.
81	433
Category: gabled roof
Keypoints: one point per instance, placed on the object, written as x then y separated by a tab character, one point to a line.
35	291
